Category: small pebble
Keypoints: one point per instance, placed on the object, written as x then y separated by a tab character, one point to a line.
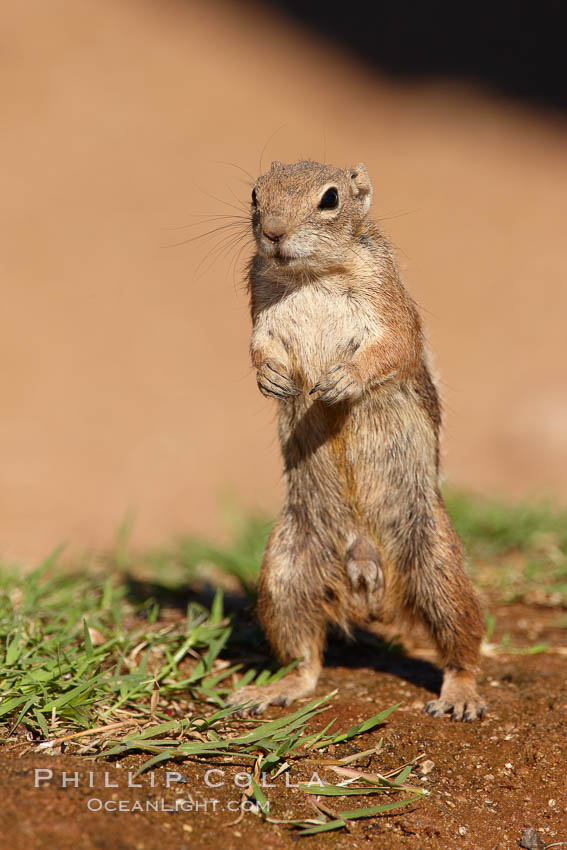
425	767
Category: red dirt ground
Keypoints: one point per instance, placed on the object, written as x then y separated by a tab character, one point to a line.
126	385
490	781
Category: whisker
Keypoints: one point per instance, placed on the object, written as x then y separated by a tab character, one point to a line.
397	215
235	264
233	195
203	235
226	203
209	259
206	219
235	165
224	246
268	142
234	234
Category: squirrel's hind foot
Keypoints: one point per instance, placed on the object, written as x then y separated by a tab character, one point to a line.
458	697
255	699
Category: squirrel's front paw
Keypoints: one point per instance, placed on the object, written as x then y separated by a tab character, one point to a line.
341	382
274	382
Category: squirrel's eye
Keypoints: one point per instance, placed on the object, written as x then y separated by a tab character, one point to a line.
330	199
254	198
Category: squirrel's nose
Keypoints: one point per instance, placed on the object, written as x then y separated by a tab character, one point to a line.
273	235
274	230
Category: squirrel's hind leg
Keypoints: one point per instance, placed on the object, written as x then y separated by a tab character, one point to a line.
436	589
292	608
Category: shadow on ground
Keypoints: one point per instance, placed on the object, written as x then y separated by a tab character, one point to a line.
249	647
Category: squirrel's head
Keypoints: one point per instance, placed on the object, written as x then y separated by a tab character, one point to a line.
307	213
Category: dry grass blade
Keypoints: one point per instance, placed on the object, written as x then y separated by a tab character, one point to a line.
96	730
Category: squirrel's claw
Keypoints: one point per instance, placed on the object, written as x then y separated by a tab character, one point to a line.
338	384
465	710
275	383
254	699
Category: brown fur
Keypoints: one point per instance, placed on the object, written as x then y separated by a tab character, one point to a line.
364	536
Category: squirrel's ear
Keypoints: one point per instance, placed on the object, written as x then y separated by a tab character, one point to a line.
361	186
275	165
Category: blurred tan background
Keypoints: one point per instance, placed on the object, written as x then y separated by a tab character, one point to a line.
125	380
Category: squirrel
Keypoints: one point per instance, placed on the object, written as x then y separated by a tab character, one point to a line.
364	536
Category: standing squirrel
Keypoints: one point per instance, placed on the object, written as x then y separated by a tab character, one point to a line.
364	535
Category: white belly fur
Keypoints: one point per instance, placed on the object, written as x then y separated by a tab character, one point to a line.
318	327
